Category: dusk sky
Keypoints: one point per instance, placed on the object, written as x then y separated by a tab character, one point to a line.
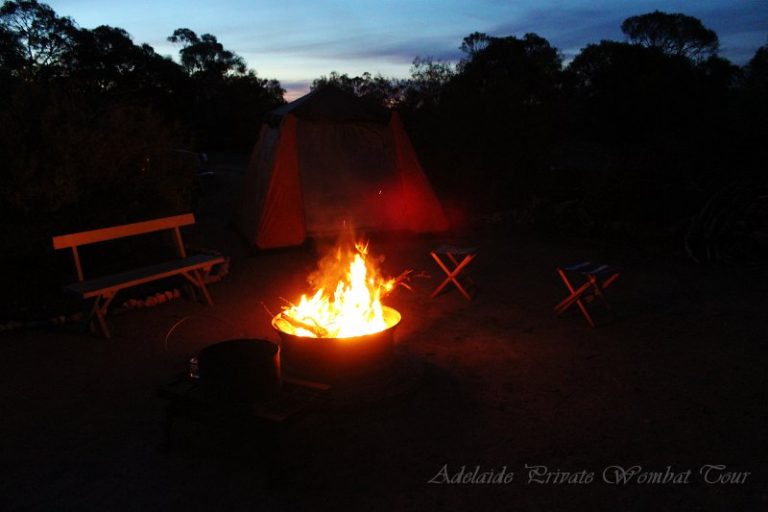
296	41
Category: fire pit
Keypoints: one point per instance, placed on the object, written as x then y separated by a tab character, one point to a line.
341	332
335	360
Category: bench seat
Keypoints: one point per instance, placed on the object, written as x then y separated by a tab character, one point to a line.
116	282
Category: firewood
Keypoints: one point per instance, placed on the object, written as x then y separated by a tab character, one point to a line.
404	279
317	330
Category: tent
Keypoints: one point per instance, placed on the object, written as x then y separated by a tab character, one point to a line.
328	159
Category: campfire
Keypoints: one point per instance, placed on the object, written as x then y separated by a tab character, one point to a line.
341	329
347	298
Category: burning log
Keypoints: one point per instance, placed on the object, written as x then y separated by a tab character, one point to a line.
318	330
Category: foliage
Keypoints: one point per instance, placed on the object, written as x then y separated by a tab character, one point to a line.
35	38
69	164
429	79
378	89
229	114
107	61
603	77
757	70
205	55
731	226
673	34
474	42
224	101
521	70
496	117
64	155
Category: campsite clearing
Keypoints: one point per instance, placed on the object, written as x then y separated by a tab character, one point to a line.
677	379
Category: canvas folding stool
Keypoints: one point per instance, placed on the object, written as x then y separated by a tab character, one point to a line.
454	261
598	278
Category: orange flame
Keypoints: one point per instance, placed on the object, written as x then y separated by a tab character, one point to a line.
347	300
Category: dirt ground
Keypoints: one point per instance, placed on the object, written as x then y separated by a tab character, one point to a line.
674	383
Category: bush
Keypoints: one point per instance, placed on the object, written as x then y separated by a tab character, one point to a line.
87	163
71	163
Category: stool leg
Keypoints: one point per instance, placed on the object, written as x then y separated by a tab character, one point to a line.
446	281
575	297
466	261
569	300
452	275
440	288
598	290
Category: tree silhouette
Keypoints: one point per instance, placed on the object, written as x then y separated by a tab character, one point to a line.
105	58
34	37
757	70
378	89
674	34
10	52
224	100
496	117
521	70
631	95
474	42
204	55
754	111
428	80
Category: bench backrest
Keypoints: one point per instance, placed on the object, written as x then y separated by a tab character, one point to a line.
74	240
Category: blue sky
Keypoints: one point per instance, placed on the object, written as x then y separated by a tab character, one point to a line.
296	41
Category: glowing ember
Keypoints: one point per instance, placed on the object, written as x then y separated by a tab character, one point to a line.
347	300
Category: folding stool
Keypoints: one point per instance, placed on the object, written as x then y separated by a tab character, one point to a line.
598	278
458	258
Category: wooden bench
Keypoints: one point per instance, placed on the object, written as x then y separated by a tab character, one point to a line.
103	289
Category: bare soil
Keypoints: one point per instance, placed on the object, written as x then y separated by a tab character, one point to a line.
674	381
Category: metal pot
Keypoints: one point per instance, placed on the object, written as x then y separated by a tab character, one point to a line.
241	370
335	360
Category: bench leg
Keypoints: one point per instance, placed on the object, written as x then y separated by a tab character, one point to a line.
197	280
203	288
103	324
86	318
97	314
